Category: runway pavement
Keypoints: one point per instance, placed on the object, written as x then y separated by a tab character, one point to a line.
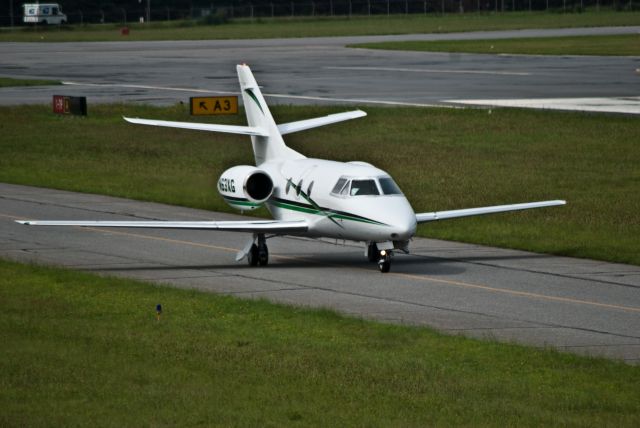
582	306
323	70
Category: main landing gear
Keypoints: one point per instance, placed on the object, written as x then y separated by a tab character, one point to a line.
259	254
383	257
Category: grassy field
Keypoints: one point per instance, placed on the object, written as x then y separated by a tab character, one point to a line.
83	350
8	81
441	158
620	45
322	26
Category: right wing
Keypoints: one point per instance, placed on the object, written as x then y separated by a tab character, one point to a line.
445	215
228	129
255	226
301	125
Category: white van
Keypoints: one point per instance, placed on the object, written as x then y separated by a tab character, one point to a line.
43	13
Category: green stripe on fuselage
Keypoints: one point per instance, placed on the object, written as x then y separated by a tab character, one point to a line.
325	213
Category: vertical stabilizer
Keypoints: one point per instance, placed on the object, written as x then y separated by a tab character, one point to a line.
271	147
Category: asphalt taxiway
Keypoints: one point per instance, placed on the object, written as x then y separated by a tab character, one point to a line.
324	70
582	306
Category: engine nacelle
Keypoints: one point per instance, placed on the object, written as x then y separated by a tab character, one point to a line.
245	187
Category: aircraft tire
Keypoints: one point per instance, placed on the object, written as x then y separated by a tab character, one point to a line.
263	256
252	256
384	266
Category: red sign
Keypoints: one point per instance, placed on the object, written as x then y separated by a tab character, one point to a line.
60	104
63	104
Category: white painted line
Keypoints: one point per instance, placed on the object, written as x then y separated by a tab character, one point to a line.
162	88
627	105
285	96
433	70
357	101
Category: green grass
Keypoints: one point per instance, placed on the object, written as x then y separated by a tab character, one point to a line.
322	26
8	82
620	45
441	158
83	350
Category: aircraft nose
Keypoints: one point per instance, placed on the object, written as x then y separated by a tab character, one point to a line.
404	229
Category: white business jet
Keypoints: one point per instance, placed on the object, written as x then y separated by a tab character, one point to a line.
307	197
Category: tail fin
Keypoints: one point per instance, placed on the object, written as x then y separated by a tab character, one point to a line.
258	115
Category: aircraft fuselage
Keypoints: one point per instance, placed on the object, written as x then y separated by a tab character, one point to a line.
363	209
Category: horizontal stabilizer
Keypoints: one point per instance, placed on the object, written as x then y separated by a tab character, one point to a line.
256	226
444	215
288	128
228	129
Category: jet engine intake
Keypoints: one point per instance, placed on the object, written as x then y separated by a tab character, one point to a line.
245	187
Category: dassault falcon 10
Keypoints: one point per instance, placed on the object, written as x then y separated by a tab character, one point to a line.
306	197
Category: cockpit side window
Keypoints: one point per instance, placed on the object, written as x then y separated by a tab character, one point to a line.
340	186
364	187
389	187
345	189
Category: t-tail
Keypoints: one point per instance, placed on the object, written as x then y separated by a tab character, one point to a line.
266	135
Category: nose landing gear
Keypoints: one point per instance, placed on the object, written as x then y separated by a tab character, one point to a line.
383	257
384	263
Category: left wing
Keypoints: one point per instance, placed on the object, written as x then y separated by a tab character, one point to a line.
257	226
444	215
228	129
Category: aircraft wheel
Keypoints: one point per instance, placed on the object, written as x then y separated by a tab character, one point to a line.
263	256
252	257
263	252
384	262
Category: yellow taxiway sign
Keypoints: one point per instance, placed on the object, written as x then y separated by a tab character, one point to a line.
201	106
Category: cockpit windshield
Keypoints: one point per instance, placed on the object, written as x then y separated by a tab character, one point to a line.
389	187
365	187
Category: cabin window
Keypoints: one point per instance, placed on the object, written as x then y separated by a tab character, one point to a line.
389	187
364	187
309	189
